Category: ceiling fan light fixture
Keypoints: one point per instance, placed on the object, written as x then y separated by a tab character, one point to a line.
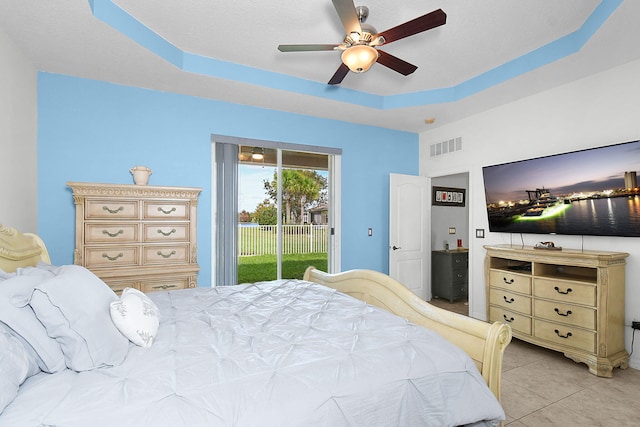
257	153
359	58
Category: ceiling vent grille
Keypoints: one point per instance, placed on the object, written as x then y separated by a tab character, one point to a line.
445	147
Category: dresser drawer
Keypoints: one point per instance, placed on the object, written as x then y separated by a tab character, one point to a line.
565	335
459	260
166	232
119	285
163	254
513	282
459	277
112	209
169	284
171	210
565	313
565	291
103	256
110	233
510	301
517	321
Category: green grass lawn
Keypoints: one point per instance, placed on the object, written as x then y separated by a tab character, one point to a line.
259	268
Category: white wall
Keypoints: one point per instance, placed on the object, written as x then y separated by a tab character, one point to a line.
599	110
444	217
18	139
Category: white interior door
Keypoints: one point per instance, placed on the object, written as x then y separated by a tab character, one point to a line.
409	221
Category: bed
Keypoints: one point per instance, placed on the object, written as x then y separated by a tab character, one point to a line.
348	349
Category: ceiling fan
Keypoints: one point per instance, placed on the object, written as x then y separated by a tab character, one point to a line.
359	47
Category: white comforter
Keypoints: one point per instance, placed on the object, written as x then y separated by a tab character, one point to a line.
282	353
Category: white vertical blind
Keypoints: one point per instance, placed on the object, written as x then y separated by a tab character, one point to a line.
226	214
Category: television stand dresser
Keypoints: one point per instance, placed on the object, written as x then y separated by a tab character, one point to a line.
570	301
137	236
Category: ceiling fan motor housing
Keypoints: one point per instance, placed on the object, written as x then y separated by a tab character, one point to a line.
355	38
362	12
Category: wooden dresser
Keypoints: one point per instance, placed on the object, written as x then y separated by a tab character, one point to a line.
567	300
136	236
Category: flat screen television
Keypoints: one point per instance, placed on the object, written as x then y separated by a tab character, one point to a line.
587	192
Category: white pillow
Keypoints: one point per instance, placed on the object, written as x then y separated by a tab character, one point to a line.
23	323
136	317
15	367
73	306
42	270
4	275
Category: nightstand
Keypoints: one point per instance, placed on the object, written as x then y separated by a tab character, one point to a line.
449	274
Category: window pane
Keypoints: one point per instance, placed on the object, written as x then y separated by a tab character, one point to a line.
304	213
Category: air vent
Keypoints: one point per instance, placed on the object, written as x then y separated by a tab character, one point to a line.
445	147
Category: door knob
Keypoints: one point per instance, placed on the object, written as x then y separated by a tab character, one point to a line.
395	248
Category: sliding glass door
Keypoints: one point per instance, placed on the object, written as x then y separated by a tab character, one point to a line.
280	203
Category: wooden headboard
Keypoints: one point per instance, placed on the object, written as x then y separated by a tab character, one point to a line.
20	249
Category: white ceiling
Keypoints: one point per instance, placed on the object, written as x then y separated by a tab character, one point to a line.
489	52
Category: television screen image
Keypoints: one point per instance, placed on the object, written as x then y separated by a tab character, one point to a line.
587	192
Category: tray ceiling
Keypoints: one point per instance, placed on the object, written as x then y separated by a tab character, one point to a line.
488	53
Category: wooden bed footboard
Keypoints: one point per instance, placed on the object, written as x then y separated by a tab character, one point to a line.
483	342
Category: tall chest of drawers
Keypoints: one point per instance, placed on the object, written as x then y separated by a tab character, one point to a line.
449	274
136	236
567	300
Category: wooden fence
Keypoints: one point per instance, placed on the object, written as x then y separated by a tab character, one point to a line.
296	239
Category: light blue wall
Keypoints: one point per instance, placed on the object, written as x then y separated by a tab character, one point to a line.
90	131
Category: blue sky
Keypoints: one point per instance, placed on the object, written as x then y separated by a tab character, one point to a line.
252	191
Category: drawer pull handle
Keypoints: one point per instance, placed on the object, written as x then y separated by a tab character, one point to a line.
113	234
169	255
168	233
508	319
562	314
173	209
113	258
163	286
561	292
112	211
508	281
508	301
562	336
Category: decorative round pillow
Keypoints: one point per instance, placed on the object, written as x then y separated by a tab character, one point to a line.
136	317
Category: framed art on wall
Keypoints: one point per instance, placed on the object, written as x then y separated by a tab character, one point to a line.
448	196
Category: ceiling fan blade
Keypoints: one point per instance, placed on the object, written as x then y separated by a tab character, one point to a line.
339	75
306	47
348	15
415	26
395	63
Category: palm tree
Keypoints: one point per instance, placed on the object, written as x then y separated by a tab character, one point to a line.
308	189
299	187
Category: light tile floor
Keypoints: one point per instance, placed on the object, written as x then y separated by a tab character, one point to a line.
542	387
458	306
